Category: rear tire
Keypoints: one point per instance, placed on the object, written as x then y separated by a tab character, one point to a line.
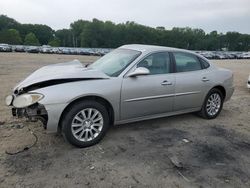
212	104
85	123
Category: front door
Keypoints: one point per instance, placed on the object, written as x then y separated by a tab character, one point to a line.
149	94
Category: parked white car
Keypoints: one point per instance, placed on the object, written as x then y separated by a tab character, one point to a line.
5	48
246	55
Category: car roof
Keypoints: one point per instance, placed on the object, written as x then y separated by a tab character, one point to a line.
151	48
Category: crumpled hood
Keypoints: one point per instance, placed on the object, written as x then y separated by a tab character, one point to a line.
73	70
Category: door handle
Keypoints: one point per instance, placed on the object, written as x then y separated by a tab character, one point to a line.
166	83
204	79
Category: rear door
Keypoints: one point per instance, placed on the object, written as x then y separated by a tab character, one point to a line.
191	81
149	94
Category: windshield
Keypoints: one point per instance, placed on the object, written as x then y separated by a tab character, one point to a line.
115	62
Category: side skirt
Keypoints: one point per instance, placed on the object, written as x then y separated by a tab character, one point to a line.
157	116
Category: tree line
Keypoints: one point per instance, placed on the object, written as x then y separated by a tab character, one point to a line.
107	34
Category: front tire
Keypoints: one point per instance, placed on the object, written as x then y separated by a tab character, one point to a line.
212	105
85	123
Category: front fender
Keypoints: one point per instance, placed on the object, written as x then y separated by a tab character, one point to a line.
57	97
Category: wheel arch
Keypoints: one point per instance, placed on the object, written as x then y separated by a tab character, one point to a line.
202	112
222	89
99	99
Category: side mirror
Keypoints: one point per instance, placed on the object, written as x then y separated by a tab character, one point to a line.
139	71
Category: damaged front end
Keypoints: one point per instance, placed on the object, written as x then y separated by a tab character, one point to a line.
44	95
33	113
26	106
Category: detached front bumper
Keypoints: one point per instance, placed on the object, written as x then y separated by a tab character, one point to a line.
48	114
33	113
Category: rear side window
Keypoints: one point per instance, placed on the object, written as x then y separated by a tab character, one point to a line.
157	63
186	62
204	63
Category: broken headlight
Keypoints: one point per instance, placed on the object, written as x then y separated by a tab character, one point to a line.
9	100
27	99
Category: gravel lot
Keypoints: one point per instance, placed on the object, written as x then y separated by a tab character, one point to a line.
216	153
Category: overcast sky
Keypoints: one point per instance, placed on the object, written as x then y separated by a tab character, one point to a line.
209	15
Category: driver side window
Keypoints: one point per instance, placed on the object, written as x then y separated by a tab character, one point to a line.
158	63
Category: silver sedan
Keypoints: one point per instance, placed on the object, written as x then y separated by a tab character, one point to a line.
131	83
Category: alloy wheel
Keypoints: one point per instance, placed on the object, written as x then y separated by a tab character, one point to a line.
87	124
213	104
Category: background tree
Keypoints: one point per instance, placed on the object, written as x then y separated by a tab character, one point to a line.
97	33
30	39
55	42
43	33
65	36
7	23
10	36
